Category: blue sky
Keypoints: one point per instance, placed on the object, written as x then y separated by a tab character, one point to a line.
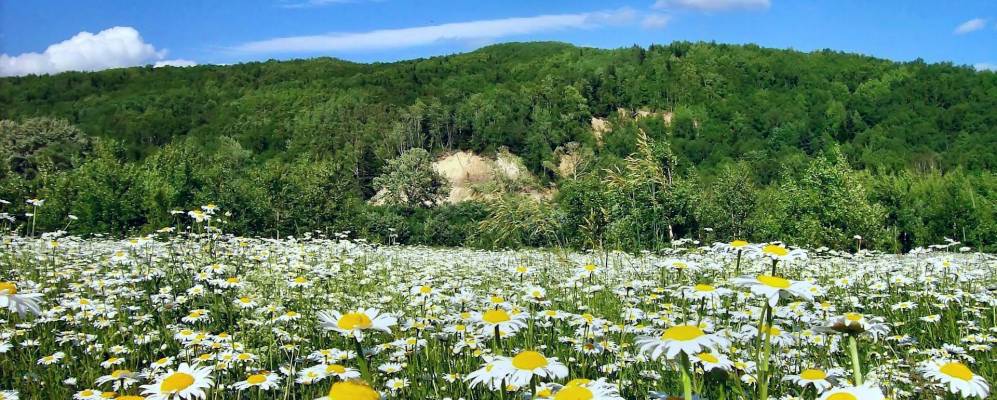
42	36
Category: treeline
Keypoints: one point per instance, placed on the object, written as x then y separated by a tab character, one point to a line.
811	148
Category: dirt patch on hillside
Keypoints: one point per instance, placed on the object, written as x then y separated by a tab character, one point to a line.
473	177
600	126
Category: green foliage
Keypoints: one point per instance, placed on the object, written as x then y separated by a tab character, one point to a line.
826	203
729	201
755	143
410	180
34	144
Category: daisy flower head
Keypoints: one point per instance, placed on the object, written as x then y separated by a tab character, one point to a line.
351	390
339	371
356	322
867	391
774	287
585	389
263	380
705	291
855	323
21	303
819	378
499	319
121	378
711	361
423	291
778	252
52	358
680	265
186	382
488	375
519	369
957	377
689	339
395	384
587	270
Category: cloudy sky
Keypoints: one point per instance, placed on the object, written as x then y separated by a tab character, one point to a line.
48	36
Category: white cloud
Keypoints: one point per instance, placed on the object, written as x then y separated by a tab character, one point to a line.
985	66
974	24
472	31
712	5
655	21
120	46
174	63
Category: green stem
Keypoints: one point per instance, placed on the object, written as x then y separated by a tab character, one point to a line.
853	350
686	377
763	361
364	369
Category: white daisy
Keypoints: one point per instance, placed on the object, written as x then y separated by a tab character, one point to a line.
689	339
957	377
356	322
186	382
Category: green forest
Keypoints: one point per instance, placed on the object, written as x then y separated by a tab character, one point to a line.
810	148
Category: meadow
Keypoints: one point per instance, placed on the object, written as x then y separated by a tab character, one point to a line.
195	313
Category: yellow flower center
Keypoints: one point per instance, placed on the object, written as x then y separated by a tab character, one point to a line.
256	379
8	288
300	279
425	290
774	281
335	369
529	360
710	358
130	398
118	373
842	396
495	316
737	244
245	300
497	300
578	382
854	317
176	382
775	250
813	374
352	390
590	267
683	333
957	370
702	287
521	269
232	280
574	393
355	320
679	265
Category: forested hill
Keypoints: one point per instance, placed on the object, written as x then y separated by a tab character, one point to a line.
682	140
728	101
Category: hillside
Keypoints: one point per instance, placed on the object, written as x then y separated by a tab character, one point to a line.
749	99
771	111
